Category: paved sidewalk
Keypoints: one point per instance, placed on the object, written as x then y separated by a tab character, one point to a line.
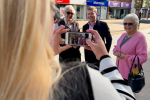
116	26
144	93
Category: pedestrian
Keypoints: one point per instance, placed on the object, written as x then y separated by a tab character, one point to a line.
103	31
72	54
139	18
131	43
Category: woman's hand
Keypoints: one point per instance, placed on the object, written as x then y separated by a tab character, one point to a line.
97	45
61	41
55	40
122	56
117	53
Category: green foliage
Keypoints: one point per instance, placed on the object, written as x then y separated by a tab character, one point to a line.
147	4
137	4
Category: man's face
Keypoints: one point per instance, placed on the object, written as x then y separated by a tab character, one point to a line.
91	15
69	14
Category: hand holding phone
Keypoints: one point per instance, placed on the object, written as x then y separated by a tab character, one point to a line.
55	40
96	45
77	38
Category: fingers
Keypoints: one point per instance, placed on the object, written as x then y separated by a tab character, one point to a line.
65	48
89	42
94	38
56	29
87	48
75	47
93	32
61	41
60	30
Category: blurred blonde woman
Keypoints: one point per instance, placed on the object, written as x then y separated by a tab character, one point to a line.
27	67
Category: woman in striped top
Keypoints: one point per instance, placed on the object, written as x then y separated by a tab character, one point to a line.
79	81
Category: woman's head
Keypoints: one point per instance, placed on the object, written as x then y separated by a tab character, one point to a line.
131	23
27	68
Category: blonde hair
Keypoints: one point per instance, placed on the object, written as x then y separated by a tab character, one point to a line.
92	8
27	67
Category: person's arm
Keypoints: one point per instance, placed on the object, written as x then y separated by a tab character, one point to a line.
109	70
108	67
108	37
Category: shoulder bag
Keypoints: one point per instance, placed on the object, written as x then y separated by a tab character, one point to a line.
136	81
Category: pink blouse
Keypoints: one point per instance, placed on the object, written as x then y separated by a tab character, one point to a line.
136	45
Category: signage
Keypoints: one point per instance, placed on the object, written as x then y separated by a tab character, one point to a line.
61	12
126	5
97	3
62	1
80	2
114	4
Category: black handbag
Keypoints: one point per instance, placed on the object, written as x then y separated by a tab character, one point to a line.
136	81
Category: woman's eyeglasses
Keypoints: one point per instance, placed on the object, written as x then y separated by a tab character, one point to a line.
129	24
70	13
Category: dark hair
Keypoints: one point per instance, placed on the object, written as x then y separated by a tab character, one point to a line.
57	13
74	83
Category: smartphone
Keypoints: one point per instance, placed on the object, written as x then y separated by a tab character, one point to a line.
77	38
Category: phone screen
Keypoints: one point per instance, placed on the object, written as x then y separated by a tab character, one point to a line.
78	38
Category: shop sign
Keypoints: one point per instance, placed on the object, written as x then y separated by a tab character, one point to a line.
62	1
114	4
80	2
61	12
97	3
126	5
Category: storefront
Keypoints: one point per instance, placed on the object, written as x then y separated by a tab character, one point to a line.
118	10
79	6
126	7
144	12
101	5
114	10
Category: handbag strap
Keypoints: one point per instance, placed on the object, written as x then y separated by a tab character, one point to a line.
132	63
139	66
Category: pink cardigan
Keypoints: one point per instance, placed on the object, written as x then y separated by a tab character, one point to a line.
136	45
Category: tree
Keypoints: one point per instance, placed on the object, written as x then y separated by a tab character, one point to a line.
137	4
147	6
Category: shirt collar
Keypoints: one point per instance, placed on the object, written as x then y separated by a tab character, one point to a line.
90	24
67	22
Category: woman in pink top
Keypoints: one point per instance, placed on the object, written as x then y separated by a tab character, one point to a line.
131	43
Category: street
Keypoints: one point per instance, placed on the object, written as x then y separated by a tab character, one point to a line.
116	29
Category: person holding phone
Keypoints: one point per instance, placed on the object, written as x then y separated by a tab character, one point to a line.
103	31
79	81
72	54
28	70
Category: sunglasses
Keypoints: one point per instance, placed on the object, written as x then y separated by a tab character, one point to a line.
70	13
130	24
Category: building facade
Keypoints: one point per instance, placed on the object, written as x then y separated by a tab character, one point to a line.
118	9
79	6
102	8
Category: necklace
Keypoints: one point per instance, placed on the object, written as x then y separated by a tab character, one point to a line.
126	37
